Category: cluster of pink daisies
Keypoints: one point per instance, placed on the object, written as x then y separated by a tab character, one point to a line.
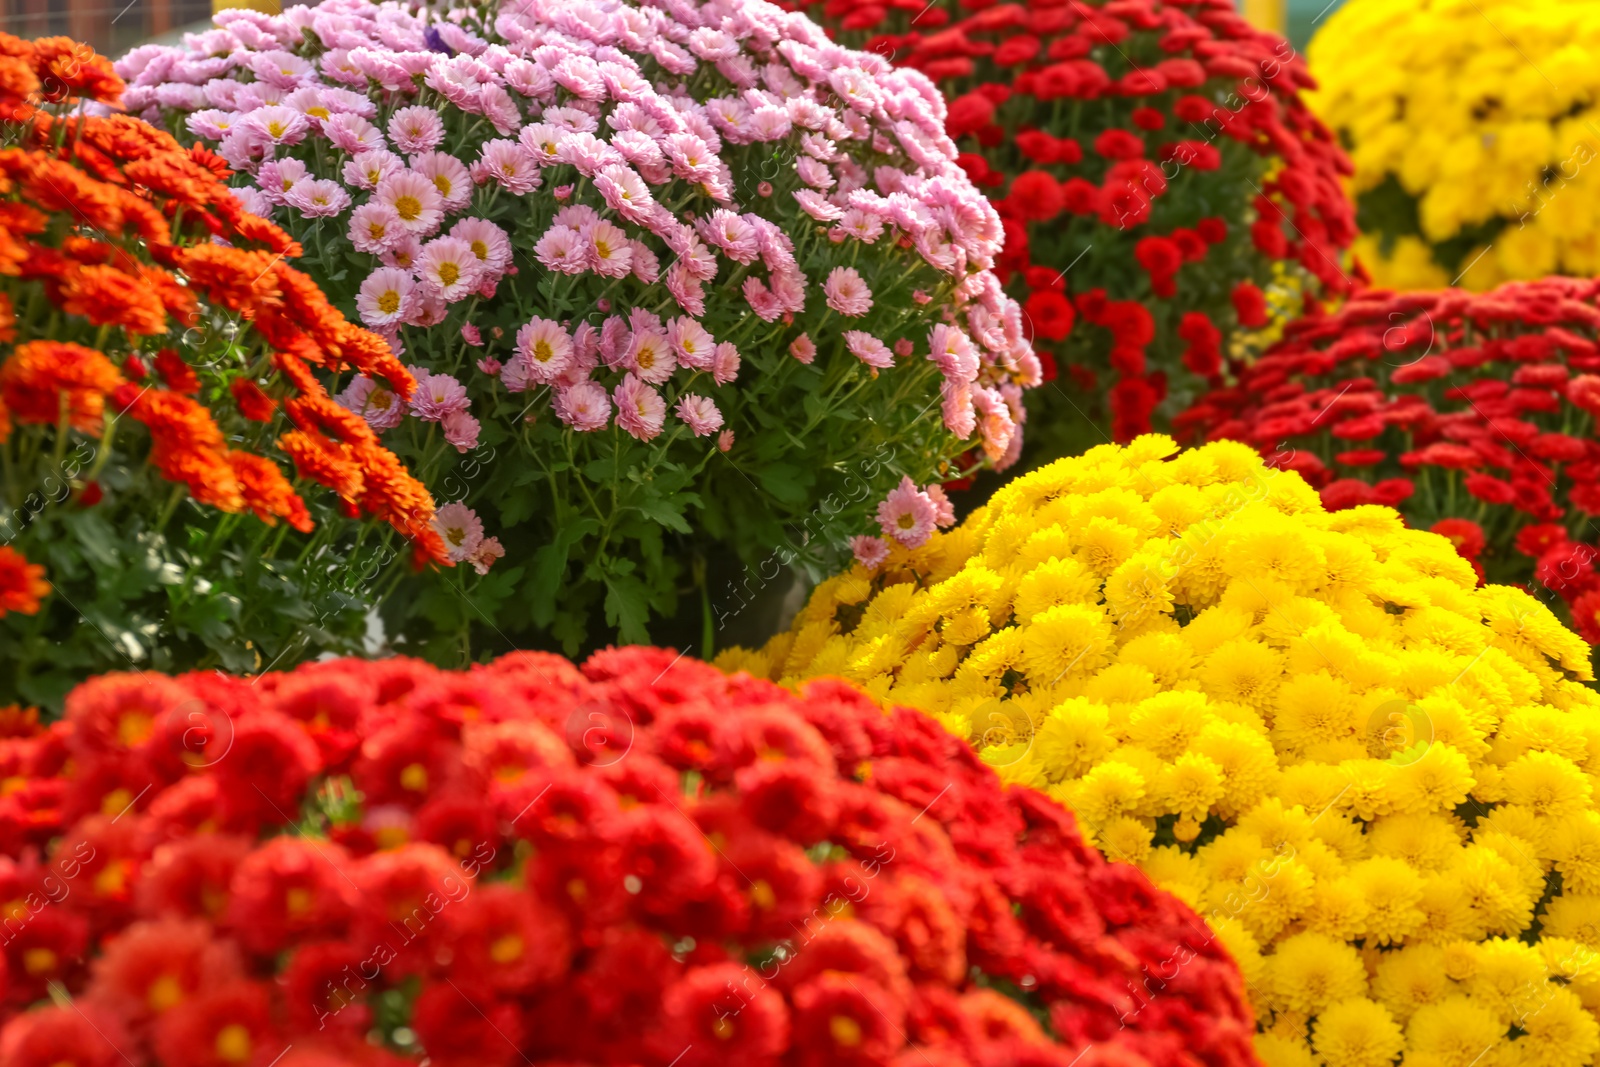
563	153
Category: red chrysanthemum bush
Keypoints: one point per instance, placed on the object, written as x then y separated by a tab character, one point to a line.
644	861
1161	182
1473	413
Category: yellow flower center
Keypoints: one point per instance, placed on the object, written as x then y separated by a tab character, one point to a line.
449	273
297	902
845	1030
318	112
164	993
134	728
480	250
38	961
414	778
233	1043
408	208
377	230
723	1028
441	183
507	949
389	302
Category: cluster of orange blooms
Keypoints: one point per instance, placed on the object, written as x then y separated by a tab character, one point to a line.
111	222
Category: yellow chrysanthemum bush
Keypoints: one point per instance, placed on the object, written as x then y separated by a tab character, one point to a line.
1473	134
1374	778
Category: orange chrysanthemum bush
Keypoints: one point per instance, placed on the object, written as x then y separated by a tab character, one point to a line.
160	426
642	862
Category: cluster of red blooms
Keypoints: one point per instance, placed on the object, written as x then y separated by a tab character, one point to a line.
644	861
111	221
1446	404
1107	113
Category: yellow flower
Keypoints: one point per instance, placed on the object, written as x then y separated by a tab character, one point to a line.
1311	971
1356	1033
1408	979
1315	728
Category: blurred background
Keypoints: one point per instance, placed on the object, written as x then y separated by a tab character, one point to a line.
113	28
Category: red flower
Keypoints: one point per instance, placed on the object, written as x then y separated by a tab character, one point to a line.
223	1027
1465	534
1037	196
1119	144
722	1014
458	1031
290	889
22	584
1050	313
1250	305
80	1036
1540	538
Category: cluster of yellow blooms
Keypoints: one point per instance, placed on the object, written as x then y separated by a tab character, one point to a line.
1484	112
1375	779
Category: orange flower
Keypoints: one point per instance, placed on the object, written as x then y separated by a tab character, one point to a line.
123	137
17	80
268	493
254	404
397	498
179	300
253	229
107	296
236	279
324	461
39	374
179	376
71	68
372	356
22	584
176	176
8	325
5	423
188	447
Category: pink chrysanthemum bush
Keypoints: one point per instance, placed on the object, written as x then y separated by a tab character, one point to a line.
680	280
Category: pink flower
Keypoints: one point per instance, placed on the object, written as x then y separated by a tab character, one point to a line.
437	395
483	557
276	124
952	350
694	347
352	133
907	515
374	228
416	129
994	421
585	406
461	529
725	441
700	413
415	199
460	429
448	174
510	166
920	297
278	177
959	417
847	293
803	348
609	251
367	169
499	108
318	198
385	296
725	363
488	241
382	409
640	409
944	514
868	349
403	252
625	192
488	364
870	552
448	266
544	350
470	334
649	355
562	249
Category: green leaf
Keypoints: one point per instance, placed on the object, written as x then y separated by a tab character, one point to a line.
784	481
628	608
550	563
